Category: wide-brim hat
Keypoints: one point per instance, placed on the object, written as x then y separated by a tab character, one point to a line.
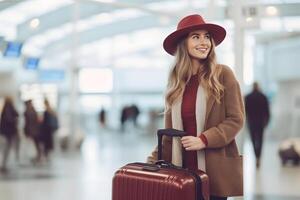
192	23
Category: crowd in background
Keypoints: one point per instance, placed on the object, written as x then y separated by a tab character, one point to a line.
38	129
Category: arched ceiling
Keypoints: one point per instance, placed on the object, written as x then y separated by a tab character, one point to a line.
153	13
65	14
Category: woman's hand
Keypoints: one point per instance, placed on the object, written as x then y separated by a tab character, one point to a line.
191	143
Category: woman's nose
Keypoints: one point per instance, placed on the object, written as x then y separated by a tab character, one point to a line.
204	40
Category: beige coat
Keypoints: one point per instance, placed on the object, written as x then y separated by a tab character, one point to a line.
222	123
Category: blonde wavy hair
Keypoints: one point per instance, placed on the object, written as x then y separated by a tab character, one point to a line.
181	73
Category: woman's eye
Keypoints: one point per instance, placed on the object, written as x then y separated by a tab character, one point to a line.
207	36
195	37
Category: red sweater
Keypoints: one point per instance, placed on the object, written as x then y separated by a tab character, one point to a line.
188	116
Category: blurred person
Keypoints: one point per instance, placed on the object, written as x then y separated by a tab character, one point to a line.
129	113
48	127
257	115
31	128
135	111
9	129
102	117
203	98
125	112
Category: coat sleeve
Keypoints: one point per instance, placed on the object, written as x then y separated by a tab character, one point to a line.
223	133
167	142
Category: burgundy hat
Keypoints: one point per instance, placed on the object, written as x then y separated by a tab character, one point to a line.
188	24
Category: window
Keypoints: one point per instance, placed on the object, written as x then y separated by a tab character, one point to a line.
95	80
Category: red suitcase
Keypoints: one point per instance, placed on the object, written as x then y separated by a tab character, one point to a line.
160	181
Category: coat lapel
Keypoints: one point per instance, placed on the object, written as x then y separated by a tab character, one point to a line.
177	124
200	120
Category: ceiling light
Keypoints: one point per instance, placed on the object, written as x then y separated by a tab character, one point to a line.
249	19
34	23
271	11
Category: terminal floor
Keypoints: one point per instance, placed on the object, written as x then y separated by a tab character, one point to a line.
86	174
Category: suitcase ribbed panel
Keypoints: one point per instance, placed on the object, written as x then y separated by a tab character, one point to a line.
135	188
149	187
169	193
141	188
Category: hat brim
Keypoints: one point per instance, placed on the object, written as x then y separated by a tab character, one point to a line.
217	32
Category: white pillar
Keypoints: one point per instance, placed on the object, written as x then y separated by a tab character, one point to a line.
235	11
115	90
73	71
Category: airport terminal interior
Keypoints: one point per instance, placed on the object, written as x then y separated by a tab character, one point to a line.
102	67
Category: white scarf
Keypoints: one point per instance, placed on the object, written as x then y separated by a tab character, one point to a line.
177	124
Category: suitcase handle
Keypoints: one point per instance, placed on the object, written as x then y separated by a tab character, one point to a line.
151	168
158	165
168	132
163	163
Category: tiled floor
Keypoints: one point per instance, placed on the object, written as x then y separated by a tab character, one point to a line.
87	174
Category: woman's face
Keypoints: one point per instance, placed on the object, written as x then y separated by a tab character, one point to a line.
199	44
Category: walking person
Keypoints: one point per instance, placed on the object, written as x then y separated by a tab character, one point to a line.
48	127
31	128
258	115
135	111
203	98
9	129
102	117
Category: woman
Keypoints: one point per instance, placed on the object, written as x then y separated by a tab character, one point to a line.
9	129
203	98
